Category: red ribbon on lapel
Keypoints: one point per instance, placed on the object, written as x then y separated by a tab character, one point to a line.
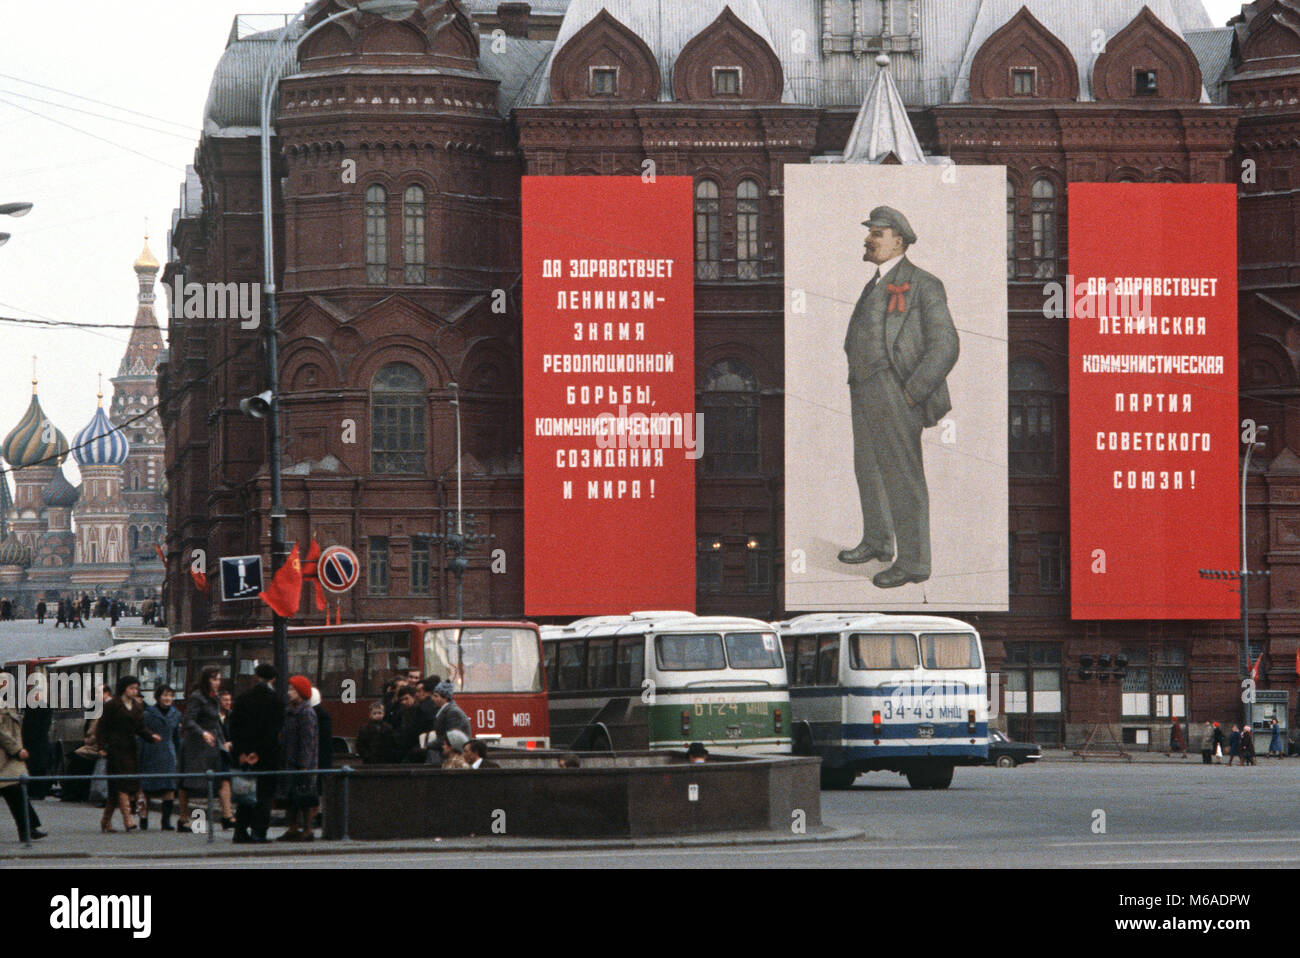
896	302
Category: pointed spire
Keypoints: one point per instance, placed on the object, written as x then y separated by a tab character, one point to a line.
99	392
883	128
33	375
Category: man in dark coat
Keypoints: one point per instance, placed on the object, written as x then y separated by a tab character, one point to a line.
255	723
449	716
40	612
422	721
901	346
376	741
36	739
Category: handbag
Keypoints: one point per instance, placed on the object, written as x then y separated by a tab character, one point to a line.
99	784
243	789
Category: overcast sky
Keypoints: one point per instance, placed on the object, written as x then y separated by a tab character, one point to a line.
70	259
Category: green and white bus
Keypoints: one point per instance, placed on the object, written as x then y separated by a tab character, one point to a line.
662	680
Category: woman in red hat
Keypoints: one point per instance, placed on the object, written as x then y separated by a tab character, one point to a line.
301	753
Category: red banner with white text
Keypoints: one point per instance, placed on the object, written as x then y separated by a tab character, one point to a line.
1154	439
610	432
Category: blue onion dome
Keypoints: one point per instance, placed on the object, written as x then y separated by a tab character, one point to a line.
34	440
100	443
13	552
60	493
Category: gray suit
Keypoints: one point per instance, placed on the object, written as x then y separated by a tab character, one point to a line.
901	345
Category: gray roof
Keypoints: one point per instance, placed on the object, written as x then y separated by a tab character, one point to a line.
516	66
1213	48
541	7
234	98
1068	23
882	127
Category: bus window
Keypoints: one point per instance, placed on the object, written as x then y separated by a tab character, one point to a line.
690	652
876	651
631	663
569	672
304	655
218	654
789	643
151	673
753	650
950	650
498	660
828	660
806	661
600	664
252	653
180	669
548	654
387	653
343	659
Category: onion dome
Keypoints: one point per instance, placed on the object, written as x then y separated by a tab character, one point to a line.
100	443
34	439
13	552
145	262
59	493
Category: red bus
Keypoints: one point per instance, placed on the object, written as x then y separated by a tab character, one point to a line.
495	666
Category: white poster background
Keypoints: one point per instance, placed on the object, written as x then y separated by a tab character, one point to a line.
959	216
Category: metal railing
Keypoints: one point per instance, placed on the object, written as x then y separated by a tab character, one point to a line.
210	776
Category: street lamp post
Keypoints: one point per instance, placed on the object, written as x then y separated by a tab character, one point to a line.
395	9
458	562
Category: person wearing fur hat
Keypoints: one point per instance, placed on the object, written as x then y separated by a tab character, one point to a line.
121	729
449	716
301	753
452	749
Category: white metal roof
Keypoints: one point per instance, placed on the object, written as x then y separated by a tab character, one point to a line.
840	621
122	650
638	622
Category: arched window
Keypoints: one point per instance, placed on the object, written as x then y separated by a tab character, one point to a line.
376	236
731	406
1044	226
1032	418
413	246
1011	230
397	413
708	231
748	255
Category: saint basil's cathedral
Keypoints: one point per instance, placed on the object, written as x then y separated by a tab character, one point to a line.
98	538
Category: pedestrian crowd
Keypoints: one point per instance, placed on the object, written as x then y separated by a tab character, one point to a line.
159	754
1239	744
73	612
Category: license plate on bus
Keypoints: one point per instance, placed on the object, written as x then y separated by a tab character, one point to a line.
733	731
925	731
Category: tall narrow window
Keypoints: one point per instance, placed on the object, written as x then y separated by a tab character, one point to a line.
758	564
730	405
397	414
420	555
708	231
1044	226
708	564
376	236
748	256
1051	568
1011	230
377	566
1032	419
413	246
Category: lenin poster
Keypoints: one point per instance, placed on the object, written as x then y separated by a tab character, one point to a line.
896	388
610	433
1154	438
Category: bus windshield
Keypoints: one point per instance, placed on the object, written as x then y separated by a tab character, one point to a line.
754	650
484	659
950	650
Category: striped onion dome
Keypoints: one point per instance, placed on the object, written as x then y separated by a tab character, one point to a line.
13	552
100	443
27	445
60	493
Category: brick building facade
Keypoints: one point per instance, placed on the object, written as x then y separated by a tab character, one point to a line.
405	278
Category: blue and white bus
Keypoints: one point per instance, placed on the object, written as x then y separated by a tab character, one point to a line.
900	693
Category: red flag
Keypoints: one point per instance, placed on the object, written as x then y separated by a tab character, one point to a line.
309	571
285	591
200	580
1297	661
1254	669
158	549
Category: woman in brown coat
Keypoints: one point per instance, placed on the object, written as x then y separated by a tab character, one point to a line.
13	763
121	728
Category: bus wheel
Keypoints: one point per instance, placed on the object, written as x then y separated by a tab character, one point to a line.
837	779
941	777
803	741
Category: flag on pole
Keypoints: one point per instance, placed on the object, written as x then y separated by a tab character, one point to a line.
200	580
158	549
284	594
310	565
1254	669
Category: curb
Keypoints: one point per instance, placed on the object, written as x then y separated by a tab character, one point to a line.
818	835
